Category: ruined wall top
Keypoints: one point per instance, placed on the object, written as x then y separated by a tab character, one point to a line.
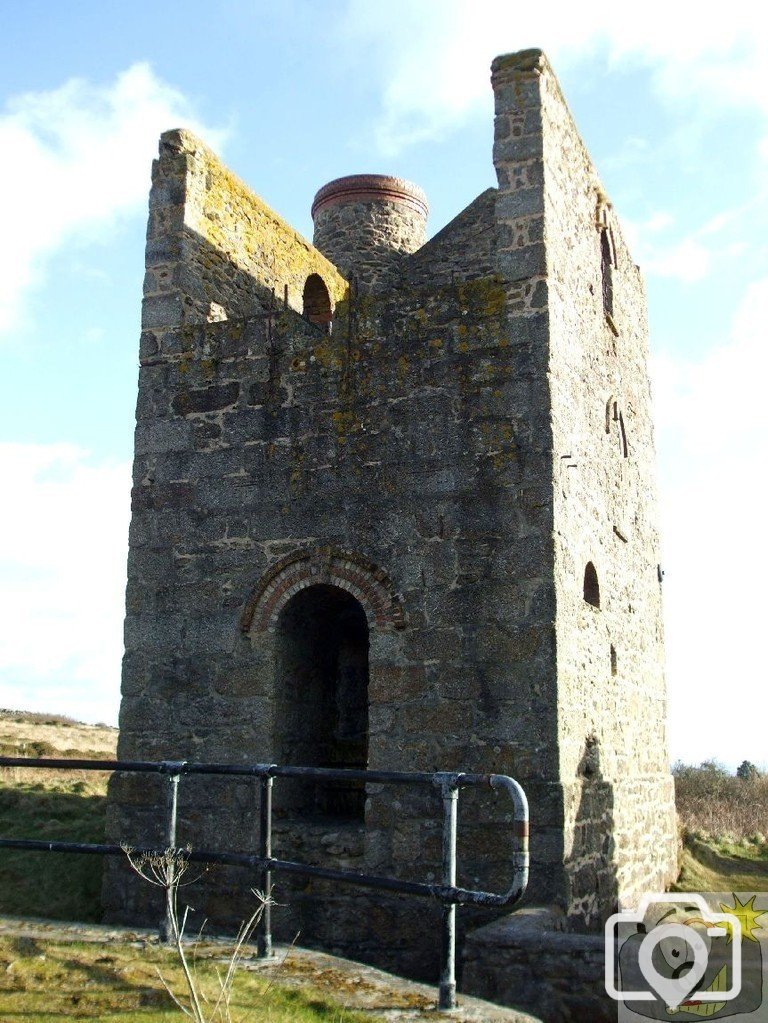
237	254
524	60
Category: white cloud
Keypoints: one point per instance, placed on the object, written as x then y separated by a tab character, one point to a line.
74	160
688	261
660	250
63	549
439	55
712	442
659	221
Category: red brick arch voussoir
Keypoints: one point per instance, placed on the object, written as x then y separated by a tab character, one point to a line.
328	566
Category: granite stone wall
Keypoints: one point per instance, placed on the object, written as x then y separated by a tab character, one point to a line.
243	427
214	249
530	962
464	250
611	691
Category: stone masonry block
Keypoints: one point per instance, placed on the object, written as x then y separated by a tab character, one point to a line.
159	311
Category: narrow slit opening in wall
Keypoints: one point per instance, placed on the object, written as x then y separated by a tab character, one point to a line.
317	306
322	700
606	268
591	586
614	415
614	660
610	414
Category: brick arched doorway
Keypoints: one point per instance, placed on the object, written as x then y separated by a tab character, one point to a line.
321	622
321	676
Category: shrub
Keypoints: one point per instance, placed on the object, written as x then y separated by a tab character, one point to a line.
747	771
712	801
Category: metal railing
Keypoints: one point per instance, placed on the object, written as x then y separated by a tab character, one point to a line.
446	891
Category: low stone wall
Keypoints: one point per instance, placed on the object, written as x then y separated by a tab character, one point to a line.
525	961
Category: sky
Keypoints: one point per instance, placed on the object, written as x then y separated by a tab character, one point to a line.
672	102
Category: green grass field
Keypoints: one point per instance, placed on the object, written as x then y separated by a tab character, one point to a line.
60	886
718	864
49	805
47	981
724	820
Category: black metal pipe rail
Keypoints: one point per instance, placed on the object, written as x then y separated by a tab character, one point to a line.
447	892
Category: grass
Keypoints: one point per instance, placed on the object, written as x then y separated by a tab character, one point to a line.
64	805
46	981
717	865
45	735
33	717
52	806
723	821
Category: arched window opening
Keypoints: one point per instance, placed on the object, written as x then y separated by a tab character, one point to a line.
317	302
322	706
591	586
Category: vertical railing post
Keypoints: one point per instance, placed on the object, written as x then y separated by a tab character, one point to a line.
264	932
166	924
450	793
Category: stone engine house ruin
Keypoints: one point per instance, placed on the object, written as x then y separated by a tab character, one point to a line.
394	507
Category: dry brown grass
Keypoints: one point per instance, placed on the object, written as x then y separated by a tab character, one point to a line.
26	734
712	802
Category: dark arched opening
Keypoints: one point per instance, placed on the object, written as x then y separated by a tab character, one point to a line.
591	586
322	706
317	301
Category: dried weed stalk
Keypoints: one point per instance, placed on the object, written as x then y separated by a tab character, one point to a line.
167	870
